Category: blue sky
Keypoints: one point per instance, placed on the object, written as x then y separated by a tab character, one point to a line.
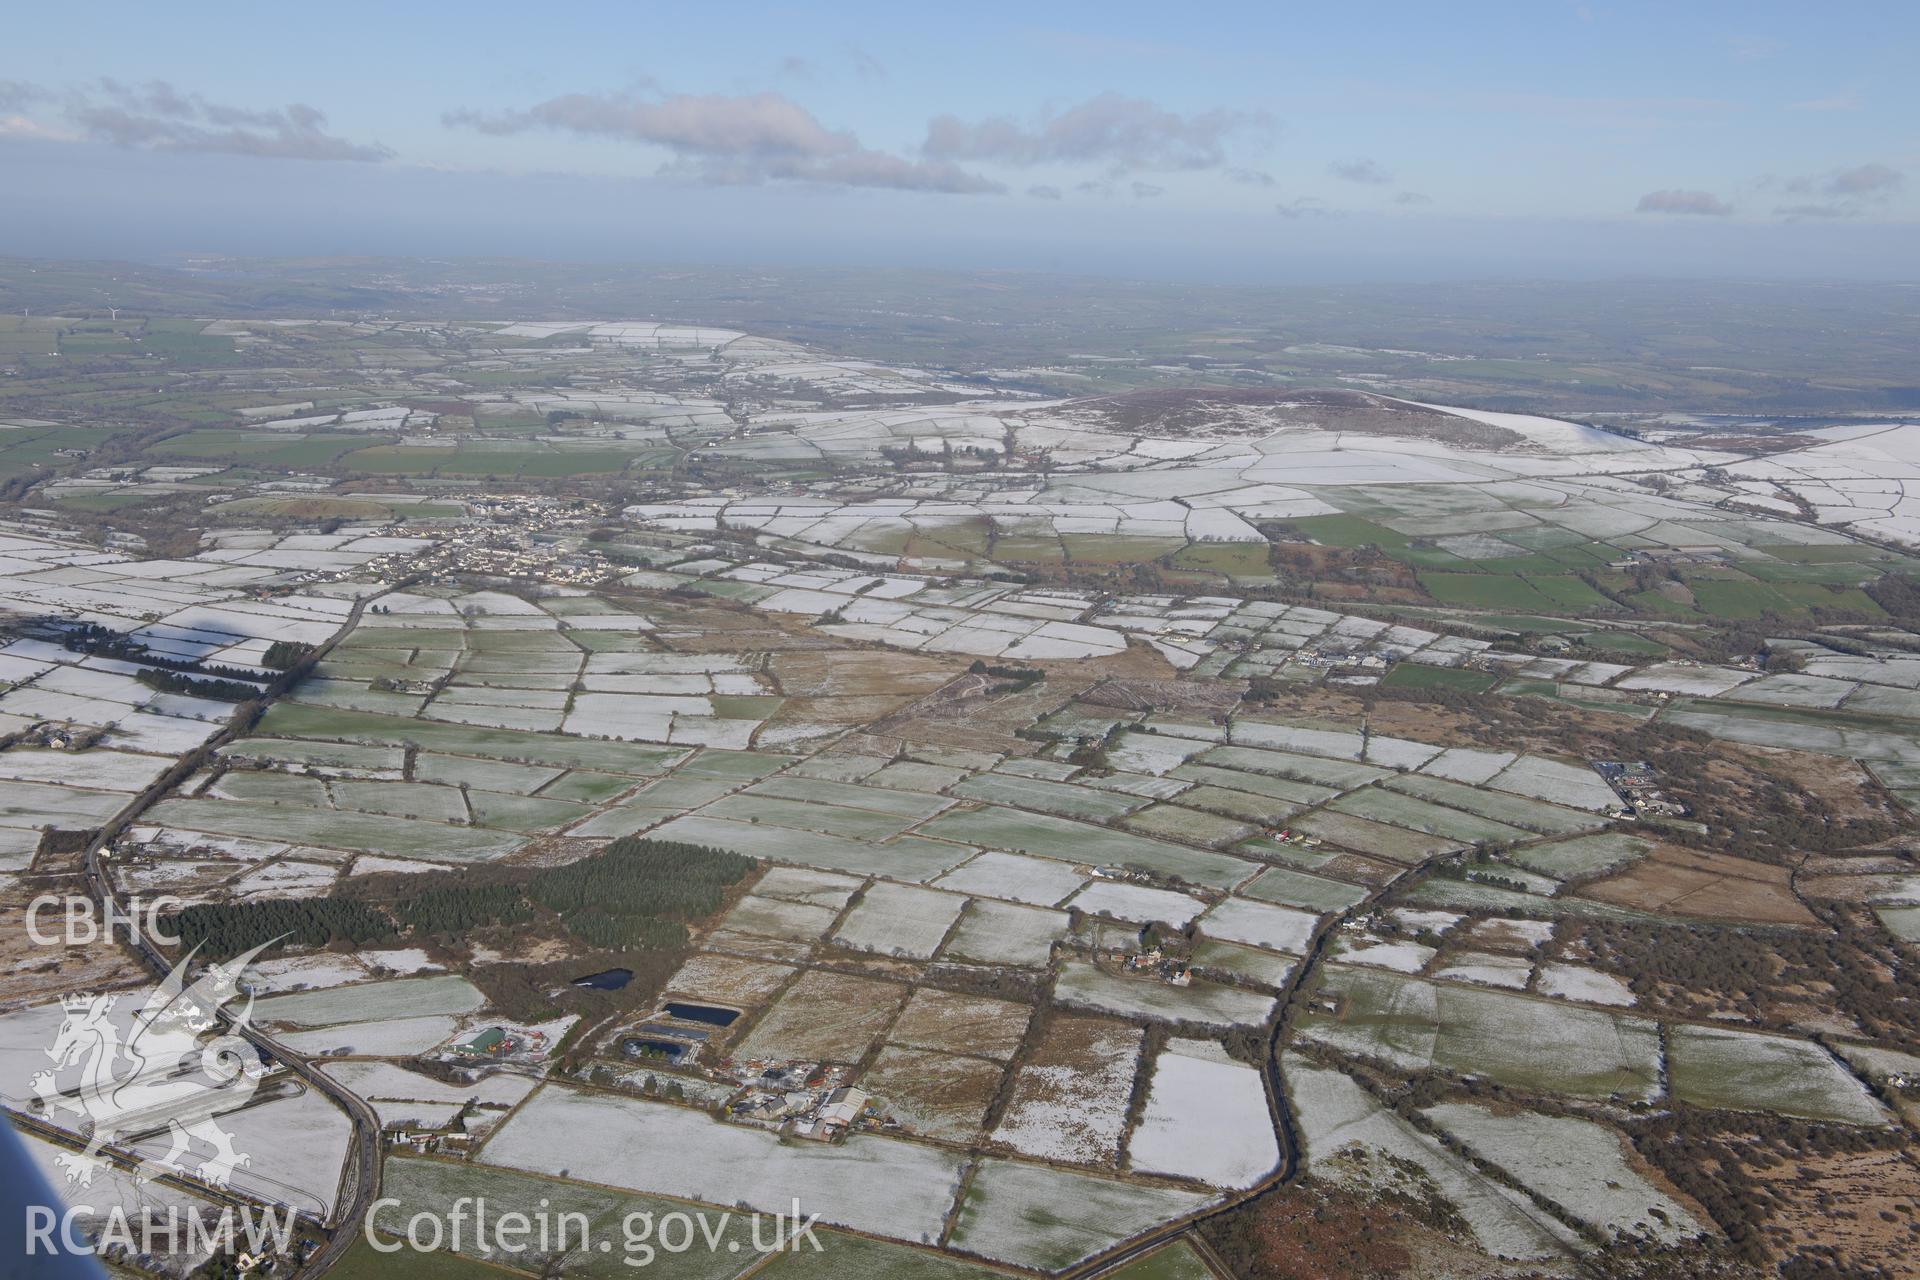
1256	141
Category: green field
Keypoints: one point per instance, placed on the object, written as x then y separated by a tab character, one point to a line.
333	829
1583	855
263	448
1720	1067
1377	804
483	459
1626	642
1309	892
1553	594
364	1262
1235	559
1177	1261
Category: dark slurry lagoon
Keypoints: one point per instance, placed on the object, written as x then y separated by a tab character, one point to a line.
712	1015
669	1051
606	979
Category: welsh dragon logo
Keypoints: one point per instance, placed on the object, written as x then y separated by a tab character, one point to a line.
156	1071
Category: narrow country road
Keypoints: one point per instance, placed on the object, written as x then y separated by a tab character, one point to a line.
360	1179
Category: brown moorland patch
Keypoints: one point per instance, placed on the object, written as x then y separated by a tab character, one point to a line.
1861	1206
1709	886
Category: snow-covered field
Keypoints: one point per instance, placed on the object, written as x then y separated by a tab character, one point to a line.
1743	1070
372	1002
1070	1102
1577	982
1348	1133
1136	903
1204	1003
296	1148
873	1184
1001	933
1047	1219
900	920
1260	924
378	1038
1206	1118
1038	881
1580	1166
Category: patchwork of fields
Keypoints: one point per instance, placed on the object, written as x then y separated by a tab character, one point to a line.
1060	819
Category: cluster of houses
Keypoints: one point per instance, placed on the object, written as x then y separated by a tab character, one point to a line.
1154	963
1342	657
802	1098
487	552
502	1044
1638	785
56	735
406	1133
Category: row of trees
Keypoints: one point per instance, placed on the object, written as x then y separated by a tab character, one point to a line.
1023	678
196	686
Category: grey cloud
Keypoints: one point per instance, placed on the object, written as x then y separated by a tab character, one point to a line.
1367	171
1683	202
863	168
1303	207
1865	182
730	139
1838	193
1413	197
865	65
15	94
1123	133
160	117
1251	177
1044	192
797	67
1147	190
